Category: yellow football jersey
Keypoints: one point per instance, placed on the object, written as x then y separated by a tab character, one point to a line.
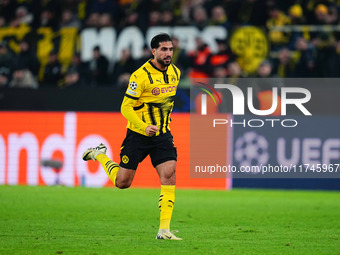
149	98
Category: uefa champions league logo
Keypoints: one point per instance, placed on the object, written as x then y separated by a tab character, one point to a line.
251	149
133	85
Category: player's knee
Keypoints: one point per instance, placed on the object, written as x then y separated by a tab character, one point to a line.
169	175
123	184
168	178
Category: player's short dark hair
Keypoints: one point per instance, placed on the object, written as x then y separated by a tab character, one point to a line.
156	40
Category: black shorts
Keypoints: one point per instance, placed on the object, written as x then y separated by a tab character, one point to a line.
136	147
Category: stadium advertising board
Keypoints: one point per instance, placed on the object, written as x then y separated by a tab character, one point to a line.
45	148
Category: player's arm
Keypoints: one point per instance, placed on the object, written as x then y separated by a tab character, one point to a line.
131	97
129	113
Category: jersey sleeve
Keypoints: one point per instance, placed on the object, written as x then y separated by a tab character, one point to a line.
133	92
177	72
136	86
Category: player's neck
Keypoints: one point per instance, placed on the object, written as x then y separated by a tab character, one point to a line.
158	65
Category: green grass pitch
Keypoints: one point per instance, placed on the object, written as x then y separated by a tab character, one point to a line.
61	220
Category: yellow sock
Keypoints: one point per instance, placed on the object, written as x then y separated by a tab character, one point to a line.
111	168
166	205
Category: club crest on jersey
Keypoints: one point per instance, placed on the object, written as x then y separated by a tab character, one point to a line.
133	85
173	78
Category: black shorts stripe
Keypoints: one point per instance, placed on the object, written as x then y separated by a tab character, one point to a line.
149	75
175	71
138	107
132	97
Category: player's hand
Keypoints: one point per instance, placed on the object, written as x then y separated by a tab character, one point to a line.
151	130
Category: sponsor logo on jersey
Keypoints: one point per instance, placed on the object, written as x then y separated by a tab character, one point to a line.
156	91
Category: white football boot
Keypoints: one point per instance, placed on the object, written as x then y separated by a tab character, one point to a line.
91	153
167	235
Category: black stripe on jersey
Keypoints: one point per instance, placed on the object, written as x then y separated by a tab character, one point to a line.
155	104
175	71
166	77
149	75
161	115
132	97
152	116
138	107
167	119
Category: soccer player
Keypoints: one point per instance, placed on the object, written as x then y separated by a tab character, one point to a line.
147	105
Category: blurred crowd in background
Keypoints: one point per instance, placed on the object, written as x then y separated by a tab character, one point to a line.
299	51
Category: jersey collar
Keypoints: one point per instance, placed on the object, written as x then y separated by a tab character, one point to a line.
150	62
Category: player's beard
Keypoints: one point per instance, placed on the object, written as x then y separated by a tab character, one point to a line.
162	62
